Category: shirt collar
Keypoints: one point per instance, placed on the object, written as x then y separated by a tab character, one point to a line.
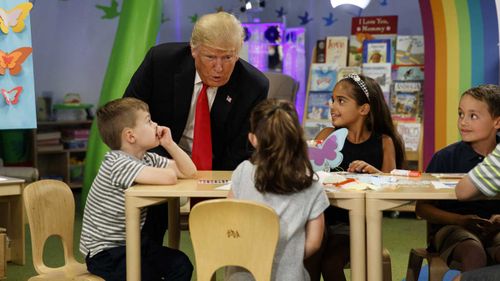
197	78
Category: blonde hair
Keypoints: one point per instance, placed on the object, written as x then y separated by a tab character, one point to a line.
218	30
115	116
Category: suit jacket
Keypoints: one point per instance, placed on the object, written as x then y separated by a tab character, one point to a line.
165	81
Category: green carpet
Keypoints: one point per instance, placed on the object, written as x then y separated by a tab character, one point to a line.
400	235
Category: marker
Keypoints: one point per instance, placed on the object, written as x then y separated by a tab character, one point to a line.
407	173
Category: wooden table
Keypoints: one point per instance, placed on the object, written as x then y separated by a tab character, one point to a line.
141	196
378	201
12	217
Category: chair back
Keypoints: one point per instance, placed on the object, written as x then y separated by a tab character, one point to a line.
281	86
51	209
230	232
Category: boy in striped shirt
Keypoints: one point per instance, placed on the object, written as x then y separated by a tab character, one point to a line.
125	125
483	180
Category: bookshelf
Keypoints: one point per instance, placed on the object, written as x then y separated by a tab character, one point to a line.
414	158
59	149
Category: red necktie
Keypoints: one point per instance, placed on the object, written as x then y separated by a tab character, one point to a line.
202	138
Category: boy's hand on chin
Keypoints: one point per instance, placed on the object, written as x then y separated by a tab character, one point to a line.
164	135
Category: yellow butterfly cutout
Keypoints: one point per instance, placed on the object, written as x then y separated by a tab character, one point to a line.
13	60
15	17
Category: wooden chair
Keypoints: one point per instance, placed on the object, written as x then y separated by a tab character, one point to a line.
437	266
229	232
51	212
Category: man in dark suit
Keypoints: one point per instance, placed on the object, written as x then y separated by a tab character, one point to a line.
174	77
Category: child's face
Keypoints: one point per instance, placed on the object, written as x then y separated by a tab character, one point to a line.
145	131
475	122
343	107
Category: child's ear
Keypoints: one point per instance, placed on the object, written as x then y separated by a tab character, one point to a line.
365	109
128	135
496	122
252	139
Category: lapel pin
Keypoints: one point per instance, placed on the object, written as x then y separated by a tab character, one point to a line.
229	99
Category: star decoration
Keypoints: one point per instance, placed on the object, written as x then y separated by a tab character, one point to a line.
194	18
329	20
164	18
281	12
111	11
305	19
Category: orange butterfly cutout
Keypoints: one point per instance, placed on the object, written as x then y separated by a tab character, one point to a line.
14	18
13	60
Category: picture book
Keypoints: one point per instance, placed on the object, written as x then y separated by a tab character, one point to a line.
369	28
312	128
404	72
336	50
320	51
380	72
323	77
406	100
342	72
318	106
410	132
377	51
410	50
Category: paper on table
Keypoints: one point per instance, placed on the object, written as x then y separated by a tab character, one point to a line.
2	179
224	187
444	184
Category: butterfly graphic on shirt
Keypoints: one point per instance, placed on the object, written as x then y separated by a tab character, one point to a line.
328	152
14	18
13	60
12	96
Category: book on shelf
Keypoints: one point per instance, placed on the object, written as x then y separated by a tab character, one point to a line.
312	128
410	132
381	73
323	77
318	106
76	134
321	51
48	148
48	135
370	28
336	50
406	100
342	72
410	50
406	72
377	51
48	142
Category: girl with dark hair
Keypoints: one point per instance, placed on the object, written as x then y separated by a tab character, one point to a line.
372	146
280	175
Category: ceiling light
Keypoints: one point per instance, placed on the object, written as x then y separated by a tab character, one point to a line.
359	3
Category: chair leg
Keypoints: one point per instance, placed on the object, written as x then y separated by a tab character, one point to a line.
437	268
386	265
414	266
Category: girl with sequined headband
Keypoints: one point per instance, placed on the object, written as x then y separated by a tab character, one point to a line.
372	146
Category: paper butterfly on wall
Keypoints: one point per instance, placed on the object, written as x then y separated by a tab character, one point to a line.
15	17
13	60
328	152
12	96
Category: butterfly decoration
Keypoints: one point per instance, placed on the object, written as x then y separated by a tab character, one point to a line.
13	60
328	152
12	96
15	17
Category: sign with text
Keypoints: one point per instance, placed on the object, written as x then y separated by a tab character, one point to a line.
375	25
